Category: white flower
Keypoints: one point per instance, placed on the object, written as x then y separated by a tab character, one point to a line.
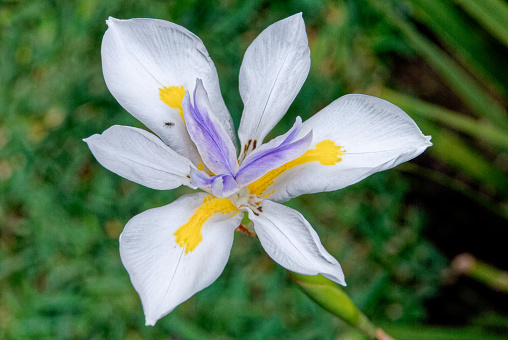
161	73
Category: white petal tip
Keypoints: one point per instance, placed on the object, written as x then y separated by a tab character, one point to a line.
149	322
111	21
337	278
297	20
427	140
88	139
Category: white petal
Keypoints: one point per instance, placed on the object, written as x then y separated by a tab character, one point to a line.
140	56
290	240
141	157
273	70
375	135
162	273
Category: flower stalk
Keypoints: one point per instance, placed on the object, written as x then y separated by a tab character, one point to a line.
334	299
467	264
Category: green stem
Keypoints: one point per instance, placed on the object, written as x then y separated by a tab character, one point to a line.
331	297
467	264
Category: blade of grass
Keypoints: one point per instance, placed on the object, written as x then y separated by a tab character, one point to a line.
453	150
464	41
464	85
500	209
492	14
474	128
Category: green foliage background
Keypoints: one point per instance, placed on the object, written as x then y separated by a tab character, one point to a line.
61	213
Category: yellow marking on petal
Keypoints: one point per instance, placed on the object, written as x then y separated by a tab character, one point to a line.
172	96
325	152
189	235
201	167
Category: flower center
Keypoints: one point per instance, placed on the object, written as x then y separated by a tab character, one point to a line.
243	199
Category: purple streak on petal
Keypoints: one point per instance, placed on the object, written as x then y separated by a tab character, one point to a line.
200	179
212	141
266	159
279	141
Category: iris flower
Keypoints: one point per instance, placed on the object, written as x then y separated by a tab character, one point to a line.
162	74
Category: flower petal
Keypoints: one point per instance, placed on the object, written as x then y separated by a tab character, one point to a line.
290	240
214	145
224	186
274	154
273	70
163	272
141	157
220	185
141	56
353	137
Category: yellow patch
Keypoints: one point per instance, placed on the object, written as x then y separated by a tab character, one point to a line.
325	152
172	96
201	167
189	235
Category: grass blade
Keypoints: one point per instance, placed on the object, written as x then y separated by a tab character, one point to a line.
466	43
492	14
479	130
464	85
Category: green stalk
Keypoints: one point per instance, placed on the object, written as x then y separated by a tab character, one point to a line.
331	297
467	264
492	14
464	85
452	119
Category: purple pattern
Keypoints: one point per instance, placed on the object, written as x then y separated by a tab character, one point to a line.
218	151
224	186
200	179
273	155
220	185
212	142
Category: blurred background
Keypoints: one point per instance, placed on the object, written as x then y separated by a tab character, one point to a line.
396	233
